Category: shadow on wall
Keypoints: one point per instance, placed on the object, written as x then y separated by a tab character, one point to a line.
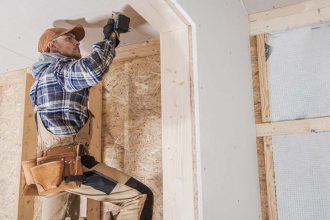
140	29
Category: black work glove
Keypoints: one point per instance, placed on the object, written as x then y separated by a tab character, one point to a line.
88	161
108	29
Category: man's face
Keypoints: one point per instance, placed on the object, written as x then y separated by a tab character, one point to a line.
66	45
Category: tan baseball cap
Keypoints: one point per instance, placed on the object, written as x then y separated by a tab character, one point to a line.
52	33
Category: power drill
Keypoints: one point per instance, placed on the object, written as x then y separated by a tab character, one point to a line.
121	23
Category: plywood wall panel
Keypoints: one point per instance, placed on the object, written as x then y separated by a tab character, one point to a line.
10	118
131	132
143	157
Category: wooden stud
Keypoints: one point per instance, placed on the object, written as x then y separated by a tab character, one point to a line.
95	106
263	78
177	126
93	208
28	137
293	16
270	178
265	113
293	127
258	120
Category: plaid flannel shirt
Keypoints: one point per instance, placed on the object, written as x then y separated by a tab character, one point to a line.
60	92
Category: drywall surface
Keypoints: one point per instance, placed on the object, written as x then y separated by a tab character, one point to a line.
10	118
131	129
227	134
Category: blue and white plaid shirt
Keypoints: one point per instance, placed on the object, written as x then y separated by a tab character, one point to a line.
60	93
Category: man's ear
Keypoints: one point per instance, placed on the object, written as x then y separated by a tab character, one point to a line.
51	46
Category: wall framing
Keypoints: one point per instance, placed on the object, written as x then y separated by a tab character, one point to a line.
311	12
178	71
265	114
265	128
262	115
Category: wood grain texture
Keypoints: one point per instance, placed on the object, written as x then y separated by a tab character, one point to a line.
265	115
255	78
137	50
270	178
263	79
312	125
257	114
177	126
28	138
95	106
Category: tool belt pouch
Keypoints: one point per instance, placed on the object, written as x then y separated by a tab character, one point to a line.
29	188
57	170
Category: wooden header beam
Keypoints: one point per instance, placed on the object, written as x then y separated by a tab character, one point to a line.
161	14
137	50
298	15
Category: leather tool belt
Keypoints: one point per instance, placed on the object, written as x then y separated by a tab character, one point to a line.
56	170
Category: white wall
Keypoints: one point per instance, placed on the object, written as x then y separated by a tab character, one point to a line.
228	147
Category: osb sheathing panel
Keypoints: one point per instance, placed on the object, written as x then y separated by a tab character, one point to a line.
131	129
260	144
10	118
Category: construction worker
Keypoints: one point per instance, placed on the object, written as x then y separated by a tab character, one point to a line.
60	96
